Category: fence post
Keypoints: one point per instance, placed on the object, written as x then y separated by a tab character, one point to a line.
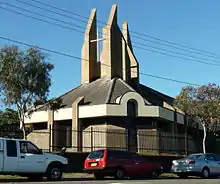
49	138
186	133
174	133
128	139
91	138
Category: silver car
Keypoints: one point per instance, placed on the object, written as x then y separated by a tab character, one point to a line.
204	165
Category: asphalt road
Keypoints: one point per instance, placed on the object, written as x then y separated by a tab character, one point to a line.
91	181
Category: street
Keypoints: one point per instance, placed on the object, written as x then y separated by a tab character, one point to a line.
91	181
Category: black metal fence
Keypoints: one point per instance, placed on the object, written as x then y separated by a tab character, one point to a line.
143	141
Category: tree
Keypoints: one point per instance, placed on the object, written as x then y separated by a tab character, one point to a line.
9	117
203	104
24	80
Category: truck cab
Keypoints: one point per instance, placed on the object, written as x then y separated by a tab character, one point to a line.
24	158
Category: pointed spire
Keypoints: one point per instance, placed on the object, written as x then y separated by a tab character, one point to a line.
111	50
126	34
89	51
113	15
130	63
91	25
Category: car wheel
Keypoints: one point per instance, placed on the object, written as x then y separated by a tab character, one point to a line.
120	174
154	174
205	173
99	176
54	172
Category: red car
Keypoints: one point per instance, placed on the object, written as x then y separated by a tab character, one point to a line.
119	164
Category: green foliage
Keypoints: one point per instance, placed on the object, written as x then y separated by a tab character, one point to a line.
24	76
202	103
24	79
9	117
54	104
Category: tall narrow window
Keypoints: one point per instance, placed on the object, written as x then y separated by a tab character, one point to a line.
132	113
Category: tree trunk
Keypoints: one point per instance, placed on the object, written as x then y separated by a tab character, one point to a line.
24	132
204	138
22	126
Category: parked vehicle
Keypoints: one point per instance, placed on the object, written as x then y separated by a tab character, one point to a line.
204	165
24	158
119	164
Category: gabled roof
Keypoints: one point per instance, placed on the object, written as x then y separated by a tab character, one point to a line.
106	91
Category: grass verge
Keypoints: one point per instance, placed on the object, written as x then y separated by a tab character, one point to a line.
168	175
76	175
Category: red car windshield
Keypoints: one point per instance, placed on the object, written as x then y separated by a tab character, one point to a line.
96	155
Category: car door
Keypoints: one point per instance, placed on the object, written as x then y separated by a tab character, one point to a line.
111	159
31	159
129	163
211	162
1	154
217	164
116	158
11	156
141	165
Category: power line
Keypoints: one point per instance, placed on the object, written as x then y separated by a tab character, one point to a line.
197	51
42	20
209	54
68	23
198	60
39	14
49	10
179	57
175	47
79	58
51	6
173	52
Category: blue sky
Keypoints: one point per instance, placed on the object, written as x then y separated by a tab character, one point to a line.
193	23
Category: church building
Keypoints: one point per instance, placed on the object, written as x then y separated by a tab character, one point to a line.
111	108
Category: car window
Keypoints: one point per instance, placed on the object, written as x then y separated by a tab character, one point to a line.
96	154
27	147
210	157
217	157
111	154
11	148
116	154
125	155
194	156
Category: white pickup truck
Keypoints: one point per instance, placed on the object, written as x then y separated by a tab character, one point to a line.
22	157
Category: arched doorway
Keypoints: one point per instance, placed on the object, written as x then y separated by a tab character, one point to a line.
132	108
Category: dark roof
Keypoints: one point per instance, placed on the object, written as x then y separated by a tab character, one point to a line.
153	96
106	90
100	91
